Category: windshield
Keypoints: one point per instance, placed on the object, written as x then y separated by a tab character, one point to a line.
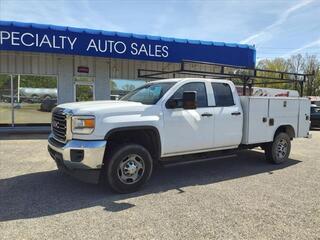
149	93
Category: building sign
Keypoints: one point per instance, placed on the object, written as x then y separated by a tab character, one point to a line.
43	38
83	69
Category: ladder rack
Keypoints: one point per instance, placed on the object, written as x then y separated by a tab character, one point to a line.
247	76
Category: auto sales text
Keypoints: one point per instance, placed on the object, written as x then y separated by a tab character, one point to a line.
108	46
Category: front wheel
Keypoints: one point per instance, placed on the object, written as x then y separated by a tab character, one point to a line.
127	168
278	151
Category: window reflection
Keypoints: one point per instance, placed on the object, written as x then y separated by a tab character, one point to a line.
120	87
33	99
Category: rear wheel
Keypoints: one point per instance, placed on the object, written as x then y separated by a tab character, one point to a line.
127	168
278	151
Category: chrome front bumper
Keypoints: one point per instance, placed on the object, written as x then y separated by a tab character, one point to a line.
92	153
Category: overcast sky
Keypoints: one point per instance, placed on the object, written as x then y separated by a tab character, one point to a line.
277	28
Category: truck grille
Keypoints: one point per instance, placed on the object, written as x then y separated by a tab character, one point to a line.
59	125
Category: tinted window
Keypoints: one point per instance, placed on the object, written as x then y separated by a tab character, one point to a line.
222	94
200	88
315	110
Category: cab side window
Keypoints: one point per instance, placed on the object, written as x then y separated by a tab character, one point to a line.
222	94
198	87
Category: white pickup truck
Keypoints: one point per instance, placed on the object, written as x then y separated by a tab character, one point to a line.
120	142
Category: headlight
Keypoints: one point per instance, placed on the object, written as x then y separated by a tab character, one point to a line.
83	124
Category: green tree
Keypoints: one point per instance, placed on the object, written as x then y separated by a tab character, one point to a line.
30	81
296	63
312	66
308	64
277	64
113	85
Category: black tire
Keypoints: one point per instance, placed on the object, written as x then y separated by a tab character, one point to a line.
278	151
126	156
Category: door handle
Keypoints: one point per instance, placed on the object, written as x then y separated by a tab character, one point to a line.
206	115
236	113
307	117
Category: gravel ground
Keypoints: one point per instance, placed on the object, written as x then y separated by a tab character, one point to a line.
236	198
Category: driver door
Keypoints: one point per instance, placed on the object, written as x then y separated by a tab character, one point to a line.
188	130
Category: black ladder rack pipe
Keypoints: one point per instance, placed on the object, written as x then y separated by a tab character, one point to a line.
244	74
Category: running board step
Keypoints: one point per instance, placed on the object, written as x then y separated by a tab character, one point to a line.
195	158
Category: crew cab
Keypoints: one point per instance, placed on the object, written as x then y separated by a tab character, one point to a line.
120	142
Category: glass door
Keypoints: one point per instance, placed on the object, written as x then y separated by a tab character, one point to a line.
84	89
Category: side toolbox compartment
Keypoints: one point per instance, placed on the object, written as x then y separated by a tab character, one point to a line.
283	111
264	115
255	119
304	117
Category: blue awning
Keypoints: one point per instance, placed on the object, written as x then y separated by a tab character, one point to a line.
19	36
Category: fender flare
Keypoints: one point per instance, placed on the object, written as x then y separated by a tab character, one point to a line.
137	128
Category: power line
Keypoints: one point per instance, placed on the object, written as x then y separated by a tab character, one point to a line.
281	53
284	48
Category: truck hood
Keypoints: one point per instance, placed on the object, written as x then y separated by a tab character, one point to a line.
114	114
102	107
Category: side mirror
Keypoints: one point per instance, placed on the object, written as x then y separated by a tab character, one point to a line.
172	103
189	100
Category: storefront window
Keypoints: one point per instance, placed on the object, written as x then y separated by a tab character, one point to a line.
33	97
5	99
120	87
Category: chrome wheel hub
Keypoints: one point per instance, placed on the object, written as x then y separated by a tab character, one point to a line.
131	169
282	148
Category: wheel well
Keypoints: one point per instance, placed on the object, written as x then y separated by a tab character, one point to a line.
148	137
288	129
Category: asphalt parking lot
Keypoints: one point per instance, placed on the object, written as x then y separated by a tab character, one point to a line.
237	198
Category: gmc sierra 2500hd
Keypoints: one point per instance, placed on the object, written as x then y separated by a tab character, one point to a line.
120	142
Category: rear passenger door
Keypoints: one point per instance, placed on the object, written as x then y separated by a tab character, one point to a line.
228	116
